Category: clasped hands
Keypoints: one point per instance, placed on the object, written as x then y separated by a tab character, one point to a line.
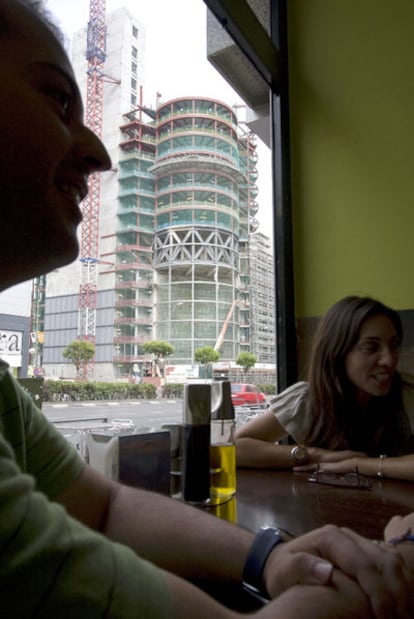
334	572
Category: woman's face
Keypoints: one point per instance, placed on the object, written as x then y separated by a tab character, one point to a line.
370	365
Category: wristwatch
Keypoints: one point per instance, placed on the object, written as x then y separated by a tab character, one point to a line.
264	542
299	454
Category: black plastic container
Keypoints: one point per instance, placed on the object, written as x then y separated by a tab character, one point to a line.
196	443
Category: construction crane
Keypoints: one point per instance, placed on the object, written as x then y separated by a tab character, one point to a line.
220	338
89	244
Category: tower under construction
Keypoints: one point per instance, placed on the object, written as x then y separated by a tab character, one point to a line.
176	218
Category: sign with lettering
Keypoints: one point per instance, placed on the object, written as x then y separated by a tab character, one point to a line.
11	347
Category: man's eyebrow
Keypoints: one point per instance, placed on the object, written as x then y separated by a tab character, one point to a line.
57	69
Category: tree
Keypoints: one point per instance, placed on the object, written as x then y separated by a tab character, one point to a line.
206	356
79	352
246	360
159	348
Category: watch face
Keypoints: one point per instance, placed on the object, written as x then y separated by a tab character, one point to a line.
299	454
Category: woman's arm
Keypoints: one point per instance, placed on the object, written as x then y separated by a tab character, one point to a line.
255	441
255	444
256	448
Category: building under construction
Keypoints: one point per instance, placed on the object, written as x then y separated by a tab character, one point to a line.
174	258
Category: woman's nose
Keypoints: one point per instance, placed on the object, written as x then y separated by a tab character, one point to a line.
389	356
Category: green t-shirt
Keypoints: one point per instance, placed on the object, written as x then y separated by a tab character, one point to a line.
51	565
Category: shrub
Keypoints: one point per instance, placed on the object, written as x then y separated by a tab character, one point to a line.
267	388
55	390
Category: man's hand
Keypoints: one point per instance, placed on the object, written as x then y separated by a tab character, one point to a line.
380	571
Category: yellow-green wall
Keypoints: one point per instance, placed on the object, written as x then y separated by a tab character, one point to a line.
351	77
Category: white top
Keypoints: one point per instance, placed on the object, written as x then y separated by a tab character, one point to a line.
289	407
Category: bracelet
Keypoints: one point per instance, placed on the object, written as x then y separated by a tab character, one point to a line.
380	472
404	537
264	542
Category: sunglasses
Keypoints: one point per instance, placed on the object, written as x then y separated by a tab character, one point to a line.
348	480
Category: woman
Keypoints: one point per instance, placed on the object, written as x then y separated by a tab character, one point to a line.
356	410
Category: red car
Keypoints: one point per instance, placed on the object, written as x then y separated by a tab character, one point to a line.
244	394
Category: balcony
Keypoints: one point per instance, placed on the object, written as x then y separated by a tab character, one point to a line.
129	358
134	302
131	339
128	320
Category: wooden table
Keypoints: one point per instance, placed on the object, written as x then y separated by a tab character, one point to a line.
290	501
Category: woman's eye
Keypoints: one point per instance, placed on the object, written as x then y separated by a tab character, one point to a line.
374	347
369	347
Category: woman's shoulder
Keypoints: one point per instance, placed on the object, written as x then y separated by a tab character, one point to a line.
407	379
290	397
290	410
407	386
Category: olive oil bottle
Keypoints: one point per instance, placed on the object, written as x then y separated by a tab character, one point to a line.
222	447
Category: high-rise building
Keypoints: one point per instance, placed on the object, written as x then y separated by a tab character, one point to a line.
122	77
176	221
262	298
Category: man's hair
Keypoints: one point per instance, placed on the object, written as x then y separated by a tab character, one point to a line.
37	7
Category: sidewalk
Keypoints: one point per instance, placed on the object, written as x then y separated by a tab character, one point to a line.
94	403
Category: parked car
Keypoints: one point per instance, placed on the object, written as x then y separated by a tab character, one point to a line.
245	394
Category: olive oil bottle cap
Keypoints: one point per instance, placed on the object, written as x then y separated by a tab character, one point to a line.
221	404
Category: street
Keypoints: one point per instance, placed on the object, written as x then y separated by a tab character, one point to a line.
143	413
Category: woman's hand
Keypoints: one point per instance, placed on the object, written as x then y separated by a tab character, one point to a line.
344	458
326	455
341	600
401	467
399	525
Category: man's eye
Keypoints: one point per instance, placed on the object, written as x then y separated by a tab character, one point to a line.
62	100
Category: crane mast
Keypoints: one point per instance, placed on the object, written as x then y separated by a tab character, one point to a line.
220	338
89	244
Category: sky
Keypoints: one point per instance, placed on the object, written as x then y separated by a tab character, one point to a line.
175	62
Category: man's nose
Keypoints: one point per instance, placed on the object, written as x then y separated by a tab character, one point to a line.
94	155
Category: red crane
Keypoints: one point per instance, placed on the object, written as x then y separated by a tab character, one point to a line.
89	244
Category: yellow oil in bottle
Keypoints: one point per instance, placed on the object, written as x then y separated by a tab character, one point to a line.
222	470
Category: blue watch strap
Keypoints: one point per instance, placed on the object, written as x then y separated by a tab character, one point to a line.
405	537
264	542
